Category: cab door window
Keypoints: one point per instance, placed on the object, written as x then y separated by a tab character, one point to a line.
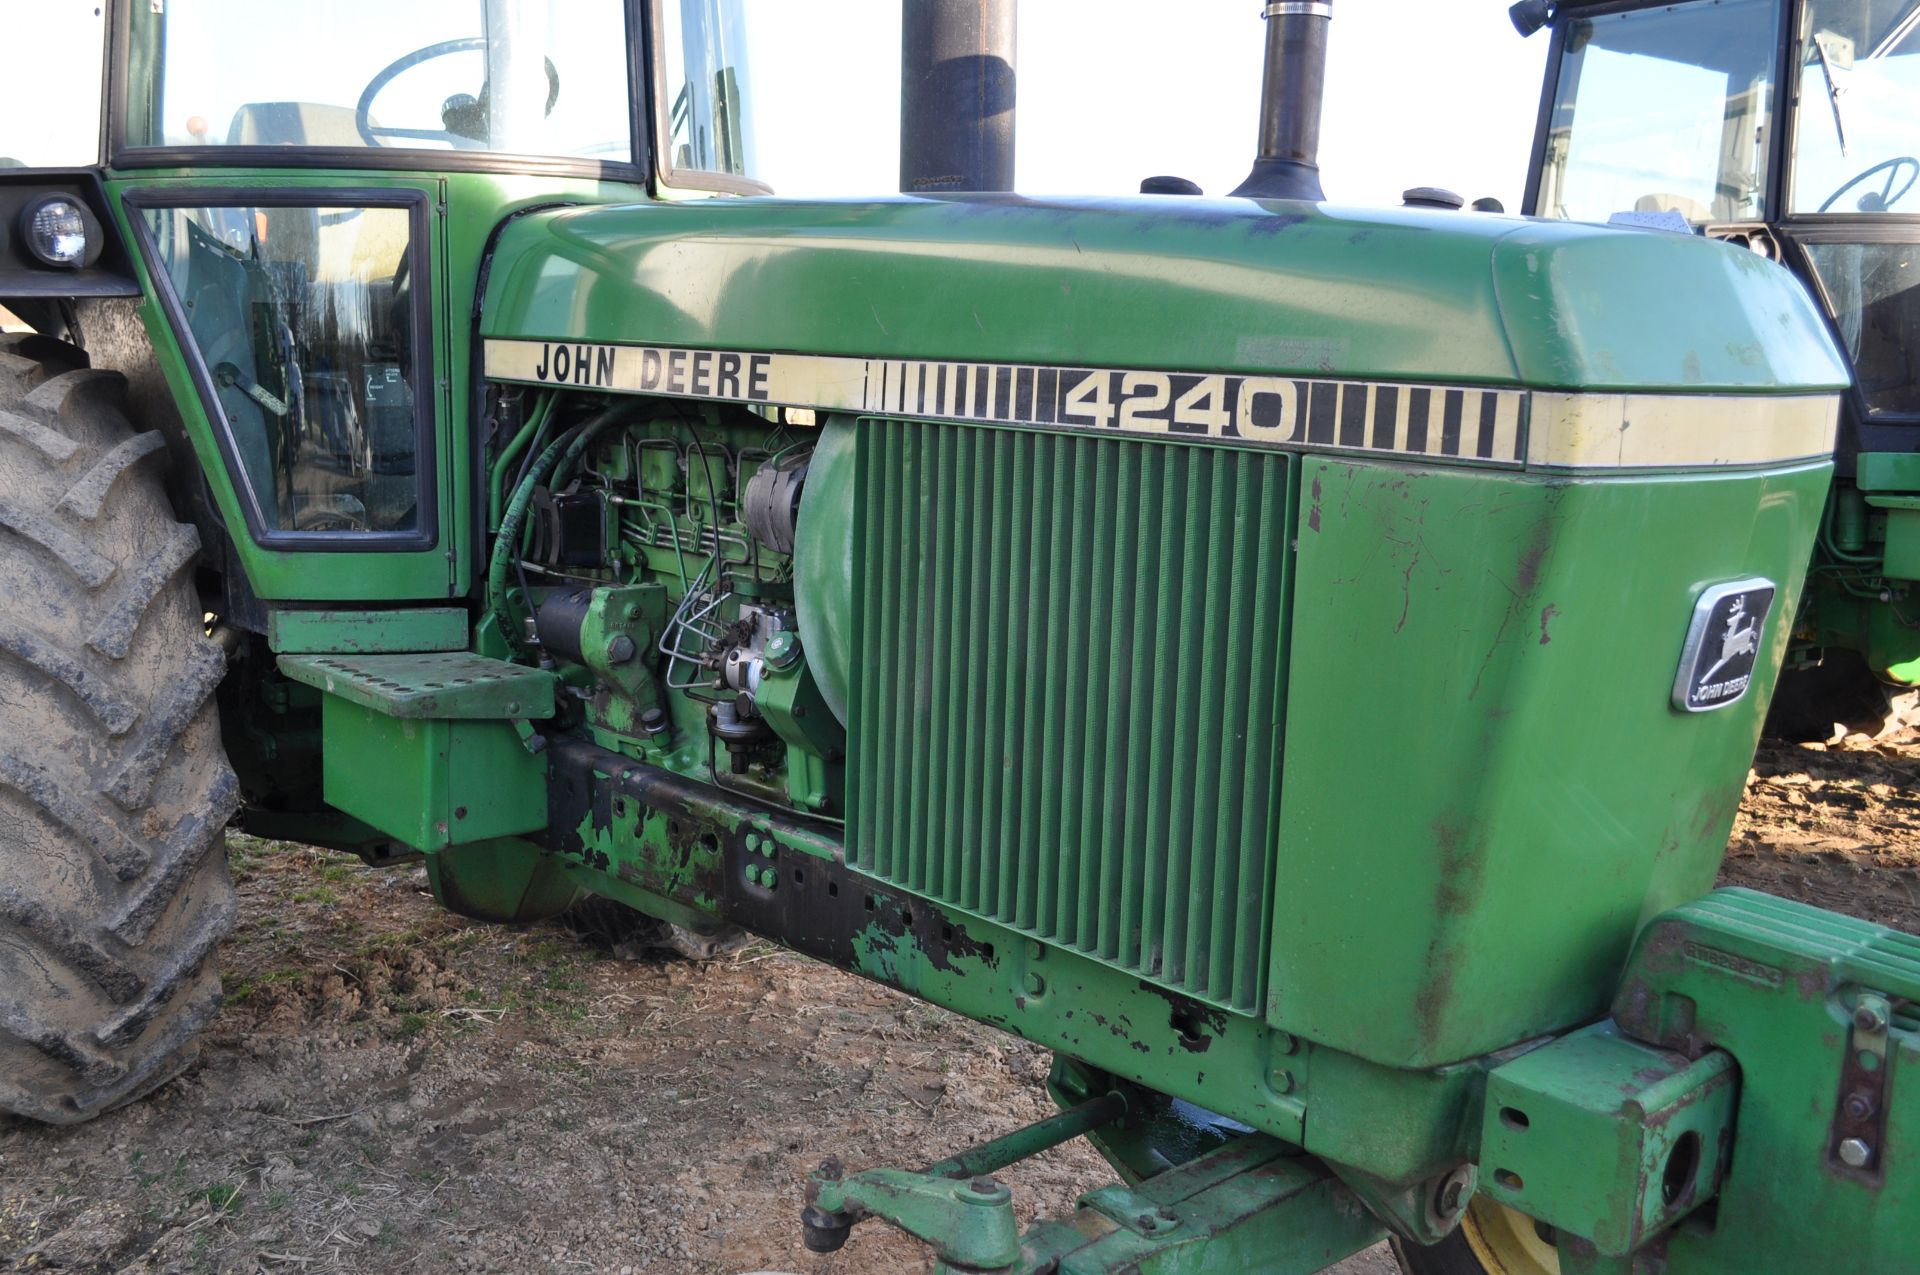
306	325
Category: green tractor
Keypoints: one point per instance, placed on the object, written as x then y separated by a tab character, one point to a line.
1295	662
1785	128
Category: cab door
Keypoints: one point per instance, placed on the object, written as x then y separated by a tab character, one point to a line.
301	320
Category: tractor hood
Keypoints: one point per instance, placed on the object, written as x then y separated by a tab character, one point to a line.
1232	286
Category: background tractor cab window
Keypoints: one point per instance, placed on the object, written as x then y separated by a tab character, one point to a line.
1859	128
1854	167
531	78
1664	110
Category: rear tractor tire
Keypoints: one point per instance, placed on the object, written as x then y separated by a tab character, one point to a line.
1490	1240
114	789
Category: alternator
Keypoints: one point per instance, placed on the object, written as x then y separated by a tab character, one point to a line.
771	501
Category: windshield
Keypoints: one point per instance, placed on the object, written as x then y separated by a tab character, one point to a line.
1859	126
530	77
1664	110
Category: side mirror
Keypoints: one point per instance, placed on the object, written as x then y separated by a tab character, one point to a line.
1530	15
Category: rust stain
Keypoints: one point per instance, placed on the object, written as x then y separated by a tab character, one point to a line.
1547	614
1462	868
1313	514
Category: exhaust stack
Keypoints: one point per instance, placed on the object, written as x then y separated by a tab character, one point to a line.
1288	163
956	95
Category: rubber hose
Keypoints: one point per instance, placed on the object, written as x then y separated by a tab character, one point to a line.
506	544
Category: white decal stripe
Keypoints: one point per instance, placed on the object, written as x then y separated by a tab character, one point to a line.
1506	425
1498	426
1647	431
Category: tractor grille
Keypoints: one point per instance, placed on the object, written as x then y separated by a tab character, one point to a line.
1067	704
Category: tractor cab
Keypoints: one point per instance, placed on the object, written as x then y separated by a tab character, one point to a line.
306	194
1788	128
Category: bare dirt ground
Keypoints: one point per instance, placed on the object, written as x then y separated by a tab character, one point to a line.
1837	825
392	1088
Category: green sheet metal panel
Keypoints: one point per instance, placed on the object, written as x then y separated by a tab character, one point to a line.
1209	285
1486	788
431	783
367	632
1067	699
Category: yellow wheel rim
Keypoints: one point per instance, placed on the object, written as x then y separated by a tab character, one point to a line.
1507	1242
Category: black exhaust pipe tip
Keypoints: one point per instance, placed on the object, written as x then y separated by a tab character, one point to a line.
1286	163
1282	179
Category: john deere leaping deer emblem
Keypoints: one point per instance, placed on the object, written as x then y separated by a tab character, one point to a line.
1741	638
1715	671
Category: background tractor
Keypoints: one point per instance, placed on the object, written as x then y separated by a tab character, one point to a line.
1786	128
994	597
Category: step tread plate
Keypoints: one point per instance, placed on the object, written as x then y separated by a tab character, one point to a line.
443	685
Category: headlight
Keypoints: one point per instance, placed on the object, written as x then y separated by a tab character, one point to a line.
55	229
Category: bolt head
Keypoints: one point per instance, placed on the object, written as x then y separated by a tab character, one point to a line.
1859	1106
983	1190
1281	1080
1454	1191
1035	985
1855	1153
1870	1017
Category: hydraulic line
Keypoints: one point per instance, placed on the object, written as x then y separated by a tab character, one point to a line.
536	425
559	455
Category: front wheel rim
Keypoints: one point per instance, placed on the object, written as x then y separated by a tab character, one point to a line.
1506	1241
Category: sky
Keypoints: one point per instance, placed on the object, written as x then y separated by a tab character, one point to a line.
1419	93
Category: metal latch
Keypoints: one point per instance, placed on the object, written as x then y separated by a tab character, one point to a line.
1859	1133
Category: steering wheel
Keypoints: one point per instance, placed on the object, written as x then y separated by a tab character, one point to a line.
459	105
1888	195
